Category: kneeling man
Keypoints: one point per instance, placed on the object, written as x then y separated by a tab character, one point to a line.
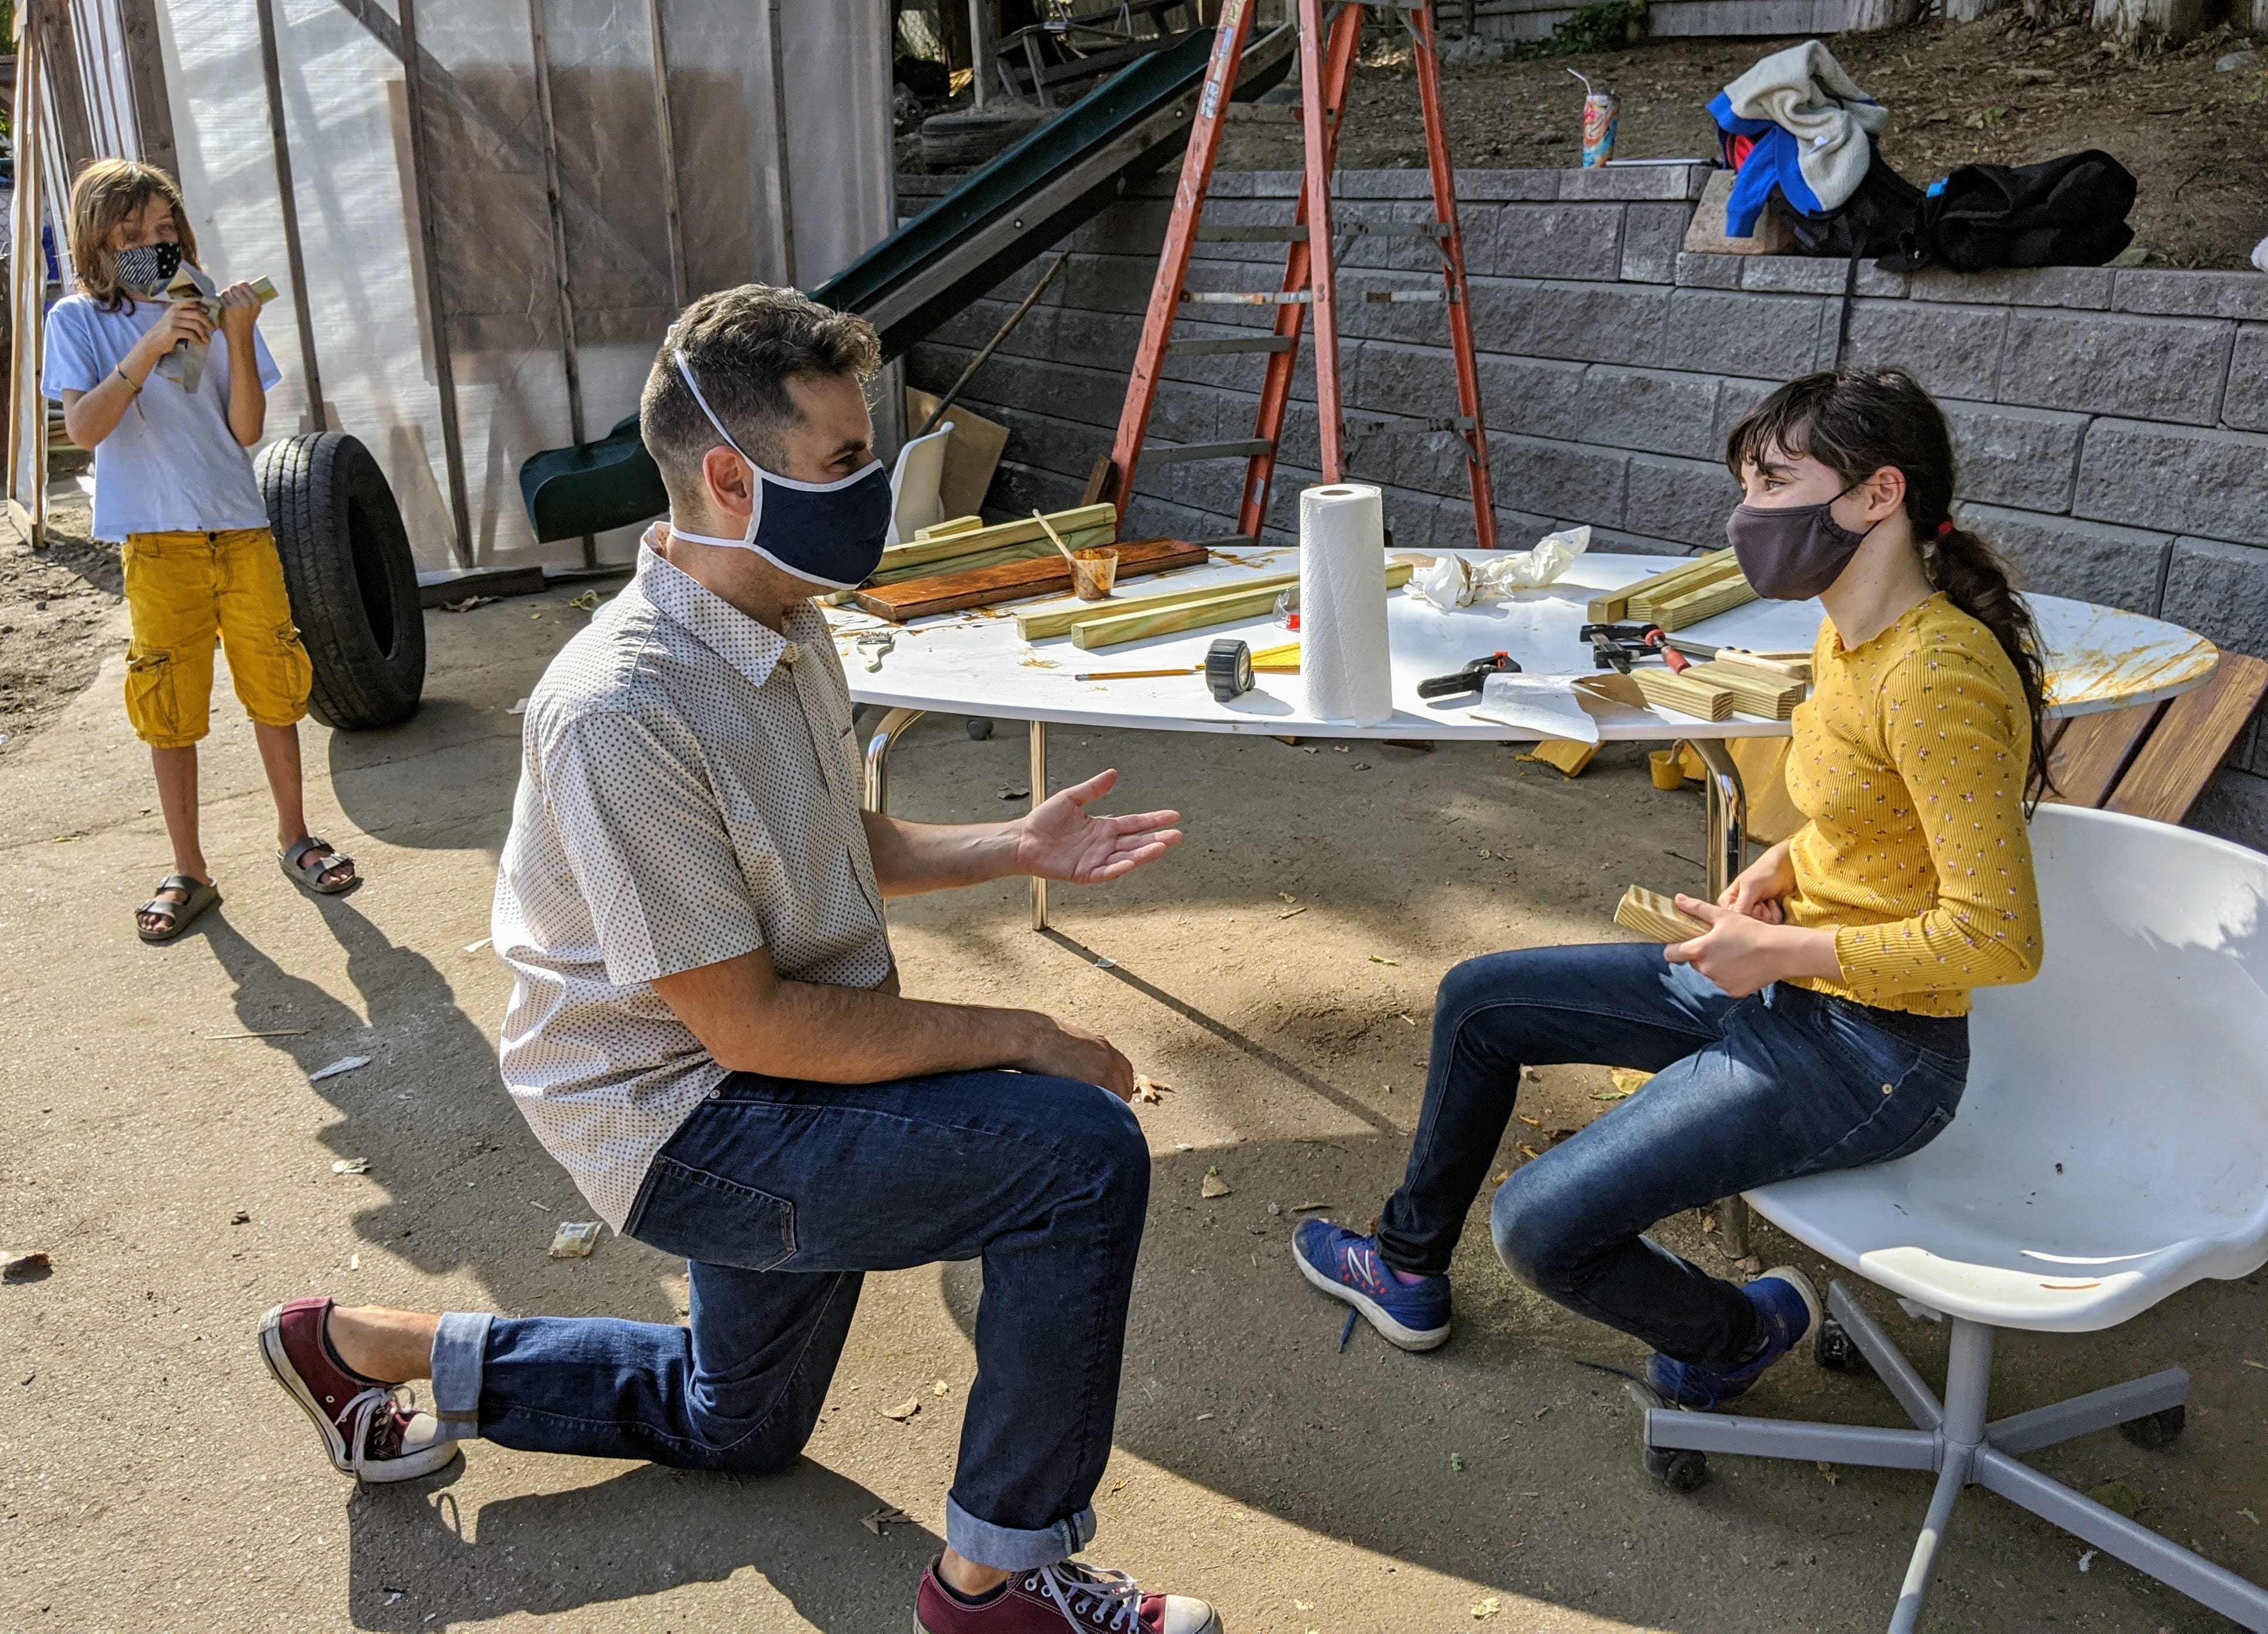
707	1030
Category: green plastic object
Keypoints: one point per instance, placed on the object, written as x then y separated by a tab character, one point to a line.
588	487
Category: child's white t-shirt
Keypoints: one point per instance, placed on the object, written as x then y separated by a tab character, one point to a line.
174	466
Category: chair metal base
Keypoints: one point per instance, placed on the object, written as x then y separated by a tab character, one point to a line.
1955	1440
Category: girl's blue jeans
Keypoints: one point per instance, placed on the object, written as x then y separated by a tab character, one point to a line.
781	1195
1746	1091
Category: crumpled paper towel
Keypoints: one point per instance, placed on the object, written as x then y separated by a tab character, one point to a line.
1454	582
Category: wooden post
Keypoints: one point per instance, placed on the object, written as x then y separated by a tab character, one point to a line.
981	42
665	132
445	373
270	67
59	60
145	72
563	280
781	167
27	279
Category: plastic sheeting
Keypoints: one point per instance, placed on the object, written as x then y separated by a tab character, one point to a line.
744	214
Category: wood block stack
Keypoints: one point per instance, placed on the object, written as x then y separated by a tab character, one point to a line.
1655	916
1685	594
1092	625
966	542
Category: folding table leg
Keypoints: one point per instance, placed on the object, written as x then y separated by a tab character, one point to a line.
1727	814
886	734
1038	793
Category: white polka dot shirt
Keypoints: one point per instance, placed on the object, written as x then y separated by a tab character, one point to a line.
1910	759
688	792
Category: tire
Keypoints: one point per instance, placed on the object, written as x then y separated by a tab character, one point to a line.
352	581
970	138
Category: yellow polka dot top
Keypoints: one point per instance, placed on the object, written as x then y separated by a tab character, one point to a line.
1910	760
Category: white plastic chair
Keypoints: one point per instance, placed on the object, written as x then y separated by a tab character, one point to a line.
915	502
2111	1149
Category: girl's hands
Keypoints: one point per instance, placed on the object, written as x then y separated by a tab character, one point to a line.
1743	954
184	320
239	310
1756	893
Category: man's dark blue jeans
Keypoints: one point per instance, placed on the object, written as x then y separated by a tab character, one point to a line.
1746	1091
781	1194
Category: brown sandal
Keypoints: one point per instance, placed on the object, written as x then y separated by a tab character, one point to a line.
201	894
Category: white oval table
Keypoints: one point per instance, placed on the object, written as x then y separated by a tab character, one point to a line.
975	663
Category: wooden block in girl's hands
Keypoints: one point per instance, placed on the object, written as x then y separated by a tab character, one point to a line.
1657	917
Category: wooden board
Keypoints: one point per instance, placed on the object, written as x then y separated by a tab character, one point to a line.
1697	698
1012	581
1656	917
2192	741
1017	533
1115	630
1628	602
1057	618
1023	551
1694	606
1768	664
2094	751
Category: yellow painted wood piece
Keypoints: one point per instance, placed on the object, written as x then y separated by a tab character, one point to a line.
1655	916
1564	754
1705	603
1284	660
1769	697
1025	551
951	526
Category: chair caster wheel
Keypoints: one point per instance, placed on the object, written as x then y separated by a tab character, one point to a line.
1833	1349
980	730
2156	1432
1679	1469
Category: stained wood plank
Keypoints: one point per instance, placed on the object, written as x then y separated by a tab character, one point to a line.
2093	751
2192	741
1012	581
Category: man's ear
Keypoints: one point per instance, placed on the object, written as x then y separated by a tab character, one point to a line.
725	478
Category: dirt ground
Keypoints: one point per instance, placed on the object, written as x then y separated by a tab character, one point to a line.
179	1174
54	606
1990	91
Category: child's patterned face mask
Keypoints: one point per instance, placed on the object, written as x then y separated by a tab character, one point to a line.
147	269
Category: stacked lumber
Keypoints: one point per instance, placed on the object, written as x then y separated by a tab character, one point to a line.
1655	916
961	586
1780	665
1176	616
1684	595
1683	694
952	546
1057	618
1755	692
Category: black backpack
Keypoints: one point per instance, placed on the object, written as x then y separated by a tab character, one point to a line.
2062	212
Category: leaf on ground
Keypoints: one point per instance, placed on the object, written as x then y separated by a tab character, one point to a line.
1151	1089
1829	1471
1531	1123
1483	1610
1292	913
344	1064
1308	1207
940	1388
352	1165
2117	1497
22	1263
1213	1185
1010	792
1527	1150
883	1517
1303	1605
903	1410
1457	1462
1628	1081
2249	1515
1375	959
1500	1179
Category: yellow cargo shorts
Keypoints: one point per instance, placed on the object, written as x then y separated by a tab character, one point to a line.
185	589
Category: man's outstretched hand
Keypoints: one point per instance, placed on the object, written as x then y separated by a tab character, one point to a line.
1063	839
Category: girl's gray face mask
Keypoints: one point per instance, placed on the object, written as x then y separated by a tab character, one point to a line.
1791	553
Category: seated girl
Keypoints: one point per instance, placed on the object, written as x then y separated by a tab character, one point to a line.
1822	1021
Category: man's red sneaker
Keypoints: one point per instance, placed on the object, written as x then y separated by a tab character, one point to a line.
364	1428
1070	1594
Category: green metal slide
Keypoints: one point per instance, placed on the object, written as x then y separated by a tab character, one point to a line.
1001	218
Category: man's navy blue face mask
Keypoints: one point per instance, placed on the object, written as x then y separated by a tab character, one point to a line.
828	534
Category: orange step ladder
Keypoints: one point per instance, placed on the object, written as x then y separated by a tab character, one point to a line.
1326	69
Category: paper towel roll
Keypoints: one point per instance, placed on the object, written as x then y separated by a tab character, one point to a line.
1343	647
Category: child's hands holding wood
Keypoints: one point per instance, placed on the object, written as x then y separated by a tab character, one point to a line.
239	310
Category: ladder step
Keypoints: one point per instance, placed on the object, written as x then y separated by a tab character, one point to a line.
1400	297
1400	230
1214	349
1187	452
1360	426
1273	297
1224	233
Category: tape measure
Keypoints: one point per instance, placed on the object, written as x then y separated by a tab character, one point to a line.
1228	668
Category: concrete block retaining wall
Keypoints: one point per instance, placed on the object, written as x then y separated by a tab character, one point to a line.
2112	424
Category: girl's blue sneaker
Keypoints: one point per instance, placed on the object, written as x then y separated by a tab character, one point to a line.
1346	1266
1787	1308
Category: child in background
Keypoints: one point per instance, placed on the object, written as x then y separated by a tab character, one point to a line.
174	485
